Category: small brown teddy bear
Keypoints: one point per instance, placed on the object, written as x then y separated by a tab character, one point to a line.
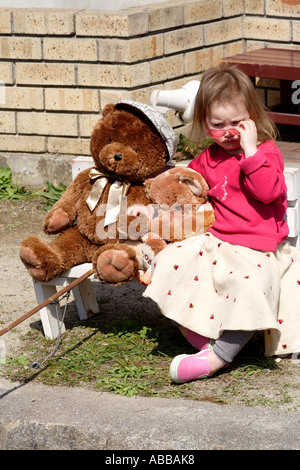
130	143
179	210
180	196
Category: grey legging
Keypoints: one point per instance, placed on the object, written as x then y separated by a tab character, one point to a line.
231	343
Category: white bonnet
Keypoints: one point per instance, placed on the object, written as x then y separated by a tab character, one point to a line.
156	117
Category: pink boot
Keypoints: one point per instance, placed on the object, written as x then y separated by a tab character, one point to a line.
186	367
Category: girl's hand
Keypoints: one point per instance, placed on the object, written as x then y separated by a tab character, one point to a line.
248	137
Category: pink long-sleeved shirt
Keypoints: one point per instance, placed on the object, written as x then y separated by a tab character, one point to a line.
249	195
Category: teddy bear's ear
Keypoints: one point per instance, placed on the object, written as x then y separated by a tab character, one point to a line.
194	180
194	185
108	108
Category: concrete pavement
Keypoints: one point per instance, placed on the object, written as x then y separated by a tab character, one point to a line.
34	416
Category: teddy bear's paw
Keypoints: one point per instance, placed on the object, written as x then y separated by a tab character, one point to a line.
41	262
57	222
116	265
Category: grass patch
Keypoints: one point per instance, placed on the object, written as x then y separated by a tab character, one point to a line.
123	358
130	358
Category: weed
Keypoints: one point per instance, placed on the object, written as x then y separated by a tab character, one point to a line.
9	190
51	194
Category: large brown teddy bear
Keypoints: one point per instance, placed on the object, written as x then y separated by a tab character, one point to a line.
130	143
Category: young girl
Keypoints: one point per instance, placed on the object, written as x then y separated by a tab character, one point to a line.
242	275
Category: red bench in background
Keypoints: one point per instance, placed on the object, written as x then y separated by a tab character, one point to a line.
282	64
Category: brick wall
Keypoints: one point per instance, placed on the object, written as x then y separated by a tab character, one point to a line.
60	67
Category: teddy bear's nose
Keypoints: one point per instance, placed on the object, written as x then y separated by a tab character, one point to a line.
118	157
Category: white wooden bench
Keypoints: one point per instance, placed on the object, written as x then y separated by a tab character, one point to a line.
84	295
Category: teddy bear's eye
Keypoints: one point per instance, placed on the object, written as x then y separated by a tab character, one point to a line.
136	150
110	141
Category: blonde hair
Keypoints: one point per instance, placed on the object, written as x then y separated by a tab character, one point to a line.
226	84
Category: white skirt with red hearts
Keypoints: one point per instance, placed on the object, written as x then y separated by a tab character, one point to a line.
208	286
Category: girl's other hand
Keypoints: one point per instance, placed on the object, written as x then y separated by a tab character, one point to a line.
248	137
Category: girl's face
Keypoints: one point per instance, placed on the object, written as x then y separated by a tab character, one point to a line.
226	117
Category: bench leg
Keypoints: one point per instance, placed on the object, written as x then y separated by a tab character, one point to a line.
85	299
50	312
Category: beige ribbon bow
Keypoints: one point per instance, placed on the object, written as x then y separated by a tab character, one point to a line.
118	189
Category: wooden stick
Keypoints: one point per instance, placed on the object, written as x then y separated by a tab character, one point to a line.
47	301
